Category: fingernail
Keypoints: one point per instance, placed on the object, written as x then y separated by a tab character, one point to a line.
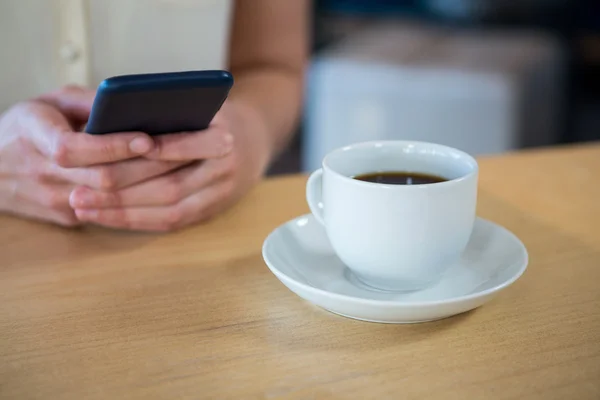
83	198
227	143
141	145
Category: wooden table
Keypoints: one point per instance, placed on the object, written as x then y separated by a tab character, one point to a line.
98	314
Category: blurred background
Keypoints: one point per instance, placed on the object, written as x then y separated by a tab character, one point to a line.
486	76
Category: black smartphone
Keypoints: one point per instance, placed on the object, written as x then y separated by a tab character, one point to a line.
159	103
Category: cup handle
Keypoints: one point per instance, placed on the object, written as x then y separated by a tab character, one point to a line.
314	194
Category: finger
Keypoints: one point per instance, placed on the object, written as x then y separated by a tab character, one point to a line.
194	209
80	149
213	142
48	196
32	211
72	100
165	190
70	149
115	176
55	139
41	201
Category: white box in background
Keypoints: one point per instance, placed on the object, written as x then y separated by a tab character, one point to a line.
483	92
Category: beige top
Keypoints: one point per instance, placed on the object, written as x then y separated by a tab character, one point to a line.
98	314
45	44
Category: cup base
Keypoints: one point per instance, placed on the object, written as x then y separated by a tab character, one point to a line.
386	286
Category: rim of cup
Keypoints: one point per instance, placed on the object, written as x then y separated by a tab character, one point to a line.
403	143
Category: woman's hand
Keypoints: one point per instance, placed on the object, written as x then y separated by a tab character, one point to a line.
44	156
192	193
41	157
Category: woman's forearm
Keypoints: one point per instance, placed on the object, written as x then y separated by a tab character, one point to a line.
269	52
275	96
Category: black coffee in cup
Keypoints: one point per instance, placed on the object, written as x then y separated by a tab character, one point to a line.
400	178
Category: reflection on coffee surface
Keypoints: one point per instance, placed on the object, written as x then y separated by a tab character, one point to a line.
400	178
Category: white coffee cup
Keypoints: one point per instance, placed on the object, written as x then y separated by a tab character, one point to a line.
396	237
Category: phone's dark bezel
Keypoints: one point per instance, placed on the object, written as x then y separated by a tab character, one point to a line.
159	103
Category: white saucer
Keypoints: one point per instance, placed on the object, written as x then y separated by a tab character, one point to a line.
300	255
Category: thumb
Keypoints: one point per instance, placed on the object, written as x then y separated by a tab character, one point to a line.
74	102
48	129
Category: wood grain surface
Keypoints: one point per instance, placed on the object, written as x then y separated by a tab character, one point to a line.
99	314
